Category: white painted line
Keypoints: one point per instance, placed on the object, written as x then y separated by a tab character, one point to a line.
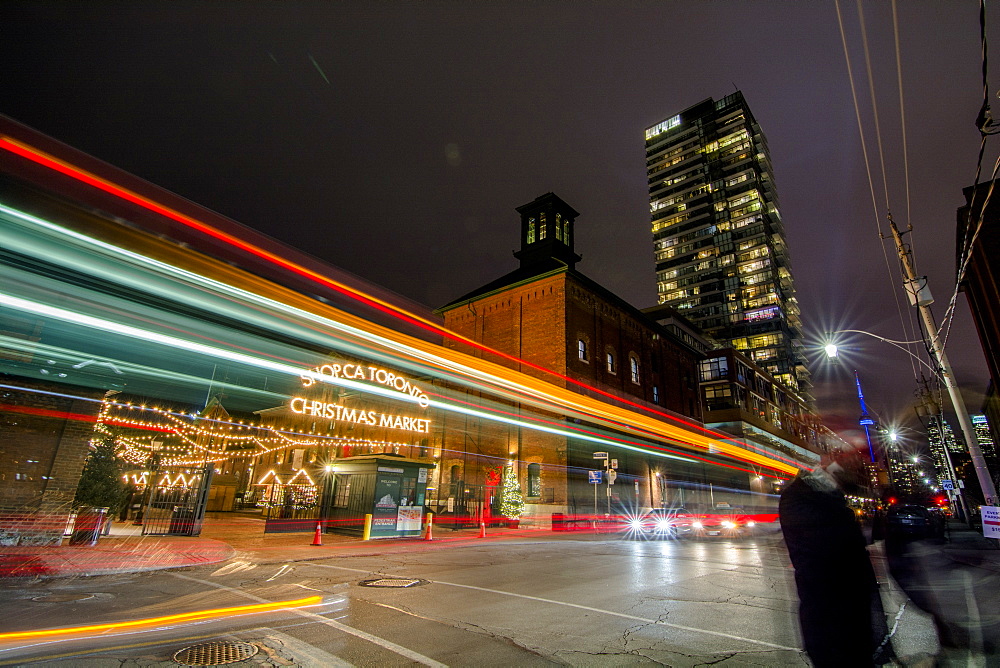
589	609
375	640
303	650
975	624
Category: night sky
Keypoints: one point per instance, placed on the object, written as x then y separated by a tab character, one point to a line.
395	139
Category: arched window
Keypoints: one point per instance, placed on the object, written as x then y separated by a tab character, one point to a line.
611	362
581	349
633	367
531	230
534	480
542	226
559	227
656	394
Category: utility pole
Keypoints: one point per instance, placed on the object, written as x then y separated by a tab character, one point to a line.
923	302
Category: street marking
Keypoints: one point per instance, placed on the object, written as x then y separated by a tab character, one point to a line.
281	571
375	640
303	650
590	609
234	567
975	626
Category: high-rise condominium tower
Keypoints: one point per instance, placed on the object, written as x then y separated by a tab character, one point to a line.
721	257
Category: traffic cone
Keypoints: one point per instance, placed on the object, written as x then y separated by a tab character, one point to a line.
318	537
482	529
428	535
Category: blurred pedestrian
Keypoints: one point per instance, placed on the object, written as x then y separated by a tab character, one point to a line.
840	610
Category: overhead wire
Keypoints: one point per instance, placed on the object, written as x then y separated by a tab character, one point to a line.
912	330
864	146
885	181
985	125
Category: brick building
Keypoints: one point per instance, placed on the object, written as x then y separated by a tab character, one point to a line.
548	314
45	445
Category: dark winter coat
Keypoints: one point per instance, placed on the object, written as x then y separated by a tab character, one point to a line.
839	605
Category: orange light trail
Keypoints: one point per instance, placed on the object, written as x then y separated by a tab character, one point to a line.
40	157
642	424
152	621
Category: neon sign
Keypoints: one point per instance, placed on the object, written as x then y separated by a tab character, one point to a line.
331	411
372	374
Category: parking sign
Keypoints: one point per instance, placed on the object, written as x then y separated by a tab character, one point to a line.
991	521
595	476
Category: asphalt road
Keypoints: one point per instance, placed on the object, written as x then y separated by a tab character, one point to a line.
579	600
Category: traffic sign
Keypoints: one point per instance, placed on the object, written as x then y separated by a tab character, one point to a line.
595	476
947	484
991	521
614	463
600	455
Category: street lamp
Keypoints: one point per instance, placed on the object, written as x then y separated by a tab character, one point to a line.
833	350
946	375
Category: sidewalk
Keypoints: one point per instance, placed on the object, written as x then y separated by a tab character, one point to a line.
223	537
941	599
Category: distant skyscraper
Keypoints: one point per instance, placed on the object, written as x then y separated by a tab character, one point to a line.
721	257
939	437
986	444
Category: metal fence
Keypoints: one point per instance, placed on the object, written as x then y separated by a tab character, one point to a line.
177	509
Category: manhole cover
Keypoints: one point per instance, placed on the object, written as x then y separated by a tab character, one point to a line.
62	598
215	653
390	582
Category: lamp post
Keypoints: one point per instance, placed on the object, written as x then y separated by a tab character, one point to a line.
832	351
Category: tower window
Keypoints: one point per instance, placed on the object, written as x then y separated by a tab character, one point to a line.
611	362
559	227
581	349
531	230
542	226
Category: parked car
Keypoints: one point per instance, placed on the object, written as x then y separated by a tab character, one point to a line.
913	522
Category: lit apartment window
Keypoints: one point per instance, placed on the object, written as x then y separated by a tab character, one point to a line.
581	349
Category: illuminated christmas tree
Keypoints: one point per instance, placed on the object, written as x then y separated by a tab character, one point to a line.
511	502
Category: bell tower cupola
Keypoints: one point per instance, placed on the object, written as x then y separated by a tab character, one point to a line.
547	231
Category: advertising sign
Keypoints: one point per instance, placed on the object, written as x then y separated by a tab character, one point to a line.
408	518
991	521
385	513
